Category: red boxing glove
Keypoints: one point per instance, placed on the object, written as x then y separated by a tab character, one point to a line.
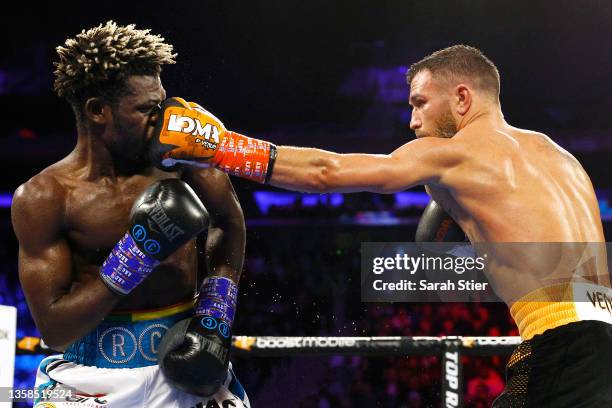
185	133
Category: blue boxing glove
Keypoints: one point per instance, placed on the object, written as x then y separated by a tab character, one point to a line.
194	353
166	216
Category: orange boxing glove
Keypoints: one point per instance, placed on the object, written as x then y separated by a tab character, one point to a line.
185	133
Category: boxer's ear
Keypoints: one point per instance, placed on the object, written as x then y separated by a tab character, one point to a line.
96	110
463	97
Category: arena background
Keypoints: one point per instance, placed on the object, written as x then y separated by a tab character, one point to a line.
331	75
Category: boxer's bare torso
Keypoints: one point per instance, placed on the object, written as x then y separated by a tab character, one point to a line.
521	199
519	188
68	222
69	217
96	216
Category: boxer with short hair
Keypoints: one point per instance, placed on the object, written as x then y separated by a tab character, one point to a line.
110	248
519	197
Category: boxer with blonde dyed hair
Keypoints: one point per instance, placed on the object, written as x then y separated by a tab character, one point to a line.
109	247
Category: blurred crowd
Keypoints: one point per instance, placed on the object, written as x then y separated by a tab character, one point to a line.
305	281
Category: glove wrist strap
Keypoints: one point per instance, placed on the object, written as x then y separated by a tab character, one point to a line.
218	297
126	266
245	157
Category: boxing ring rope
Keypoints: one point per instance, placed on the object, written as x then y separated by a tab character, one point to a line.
448	348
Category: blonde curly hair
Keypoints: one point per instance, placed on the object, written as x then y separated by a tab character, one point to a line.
98	60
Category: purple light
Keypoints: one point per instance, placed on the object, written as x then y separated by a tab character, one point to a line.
266	199
5	200
336	199
411	199
310	200
3	82
376	218
605	210
331	200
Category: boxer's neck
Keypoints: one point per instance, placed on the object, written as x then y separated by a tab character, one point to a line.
484	114
98	162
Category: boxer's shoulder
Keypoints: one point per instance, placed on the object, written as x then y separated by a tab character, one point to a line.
37	210
53	182
43	191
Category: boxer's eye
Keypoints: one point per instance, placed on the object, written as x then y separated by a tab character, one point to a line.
151	110
155	109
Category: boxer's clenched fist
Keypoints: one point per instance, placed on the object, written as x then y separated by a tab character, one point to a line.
194	353
167	215
185	133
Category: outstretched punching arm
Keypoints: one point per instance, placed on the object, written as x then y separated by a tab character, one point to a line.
187	134
421	161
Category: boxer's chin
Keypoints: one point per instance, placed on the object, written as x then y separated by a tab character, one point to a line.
446	126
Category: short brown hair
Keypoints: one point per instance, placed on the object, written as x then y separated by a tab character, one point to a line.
460	61
98	61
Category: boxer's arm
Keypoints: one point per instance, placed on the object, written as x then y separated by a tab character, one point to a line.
426	160
185	133
63	313
194	356
227	234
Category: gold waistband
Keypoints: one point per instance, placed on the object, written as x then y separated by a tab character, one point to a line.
561	304
149	314
544	309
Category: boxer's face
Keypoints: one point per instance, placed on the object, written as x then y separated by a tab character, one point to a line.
133	117
431	107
